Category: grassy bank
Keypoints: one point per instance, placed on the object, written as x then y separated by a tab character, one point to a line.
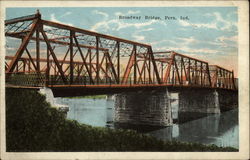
32	125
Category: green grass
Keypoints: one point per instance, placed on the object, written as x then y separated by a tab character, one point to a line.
33	125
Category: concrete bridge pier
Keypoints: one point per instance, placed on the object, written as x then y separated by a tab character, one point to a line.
195	103
144	108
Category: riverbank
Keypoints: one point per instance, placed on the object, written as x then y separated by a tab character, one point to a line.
33	125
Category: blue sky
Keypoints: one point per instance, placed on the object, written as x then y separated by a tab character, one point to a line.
211	33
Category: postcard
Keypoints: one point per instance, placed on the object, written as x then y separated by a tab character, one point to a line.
124	80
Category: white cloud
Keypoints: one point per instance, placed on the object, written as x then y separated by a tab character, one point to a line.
133	12
226	24
223	39
65	14
138	37
188	41
54	19
177	41
167	41
194	50
188	50
146	30
118	25
101	13
136	25
198	25
127	13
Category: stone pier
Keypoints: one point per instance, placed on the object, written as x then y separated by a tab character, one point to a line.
195	103
227	100
143	108
199	100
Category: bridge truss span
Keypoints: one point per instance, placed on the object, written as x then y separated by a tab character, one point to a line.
46	53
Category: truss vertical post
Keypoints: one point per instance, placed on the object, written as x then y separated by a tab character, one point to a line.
54	57
189	77
128	67
90	66
24	65
182	70
84	61
162	71
225	78
71	58
97	60
111	66
173	73
118	61
29	66
37	50
135	64
234	86
209	76
48	68
144	72
106	67
168	71
177	72
154	65
149	68
195	73
38	42
201	69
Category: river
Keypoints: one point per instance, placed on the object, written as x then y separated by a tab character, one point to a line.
219	129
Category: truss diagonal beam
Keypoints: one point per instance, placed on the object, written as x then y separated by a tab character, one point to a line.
83	59
23	46
54	57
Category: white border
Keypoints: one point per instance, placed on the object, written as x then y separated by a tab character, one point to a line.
243	72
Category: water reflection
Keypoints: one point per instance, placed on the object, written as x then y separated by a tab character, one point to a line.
95	112
220	129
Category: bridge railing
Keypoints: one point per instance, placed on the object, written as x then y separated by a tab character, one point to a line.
85	80
32	79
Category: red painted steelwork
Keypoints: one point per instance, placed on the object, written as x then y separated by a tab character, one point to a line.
66	56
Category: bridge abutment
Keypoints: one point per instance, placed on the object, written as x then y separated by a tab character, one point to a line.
143	108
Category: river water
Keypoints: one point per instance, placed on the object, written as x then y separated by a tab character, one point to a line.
219	129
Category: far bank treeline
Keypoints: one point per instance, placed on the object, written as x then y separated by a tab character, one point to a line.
33	125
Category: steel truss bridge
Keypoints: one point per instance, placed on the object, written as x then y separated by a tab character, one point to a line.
62	56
